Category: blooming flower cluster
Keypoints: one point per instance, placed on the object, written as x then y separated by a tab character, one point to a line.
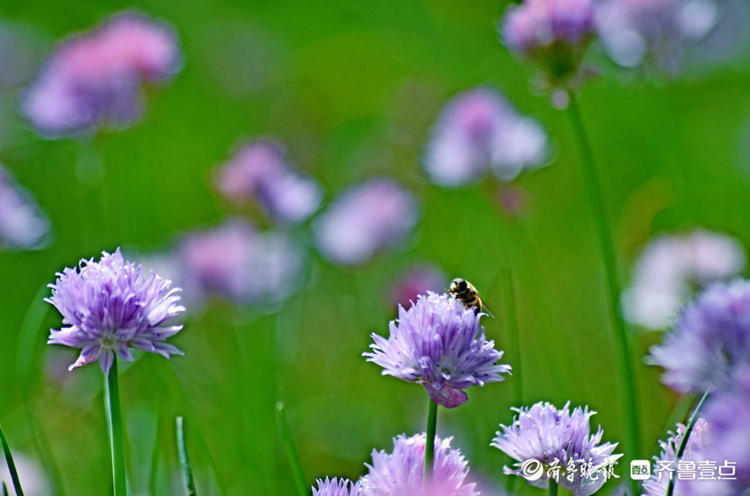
259	173
668	269
636	31
22	224
709	352
111	306
401	472
552	33
441	344
710	342
365	220
480	131
95	78
336	487
557	436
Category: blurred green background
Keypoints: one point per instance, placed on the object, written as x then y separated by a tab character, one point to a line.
351	88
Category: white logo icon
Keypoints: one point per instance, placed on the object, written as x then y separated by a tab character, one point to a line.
532	469
640	469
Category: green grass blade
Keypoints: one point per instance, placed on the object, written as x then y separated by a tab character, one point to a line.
187	473
5	490
30	336
685	436
11	464
286	437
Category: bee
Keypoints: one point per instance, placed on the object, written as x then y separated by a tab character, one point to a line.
466	293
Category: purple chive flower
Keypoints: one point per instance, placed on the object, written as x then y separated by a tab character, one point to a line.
555	437
659	31
553	33
665	468
258	172
710	342
728	414
480	131
335	487
111	306
365	220
671	266
401	473
95	78
416	281
239	263
439	343
22	224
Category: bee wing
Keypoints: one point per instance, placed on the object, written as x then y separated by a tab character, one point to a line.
486	310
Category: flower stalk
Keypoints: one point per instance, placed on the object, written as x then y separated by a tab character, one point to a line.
552	487
627	376
114	429
429	446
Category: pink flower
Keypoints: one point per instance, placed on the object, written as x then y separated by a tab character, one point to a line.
95	78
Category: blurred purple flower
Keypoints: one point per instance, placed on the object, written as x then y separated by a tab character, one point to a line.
551	436
416	281
439	343
110	306
479	130
553	33
94	78
365	219
22	224
401	473
237	262
335	487
634	31
258	172
668	269
710	342
664	467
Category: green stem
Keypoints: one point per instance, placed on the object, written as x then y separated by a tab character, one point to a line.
684	441
552	487
513	334
114	428
187	473
627	376
429	446
11	465
5	489
286	437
